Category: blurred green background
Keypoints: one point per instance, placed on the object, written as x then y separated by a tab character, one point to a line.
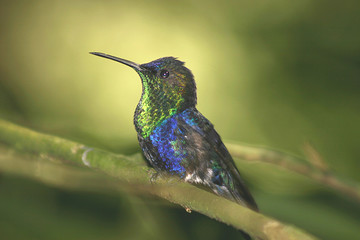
273	73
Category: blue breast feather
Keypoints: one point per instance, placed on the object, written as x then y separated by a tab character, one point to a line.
169	139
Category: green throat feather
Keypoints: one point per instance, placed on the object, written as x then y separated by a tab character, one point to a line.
157	103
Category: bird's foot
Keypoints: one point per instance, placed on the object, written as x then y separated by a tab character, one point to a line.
154	175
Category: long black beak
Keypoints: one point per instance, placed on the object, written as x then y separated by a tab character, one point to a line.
120	60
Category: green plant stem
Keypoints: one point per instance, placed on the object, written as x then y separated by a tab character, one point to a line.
131	171
297	165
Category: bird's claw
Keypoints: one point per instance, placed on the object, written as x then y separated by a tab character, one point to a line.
153	175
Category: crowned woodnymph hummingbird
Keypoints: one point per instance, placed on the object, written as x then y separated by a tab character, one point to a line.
175	137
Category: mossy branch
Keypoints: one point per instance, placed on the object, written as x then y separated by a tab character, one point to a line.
133	172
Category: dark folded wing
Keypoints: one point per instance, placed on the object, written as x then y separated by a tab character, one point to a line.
207	160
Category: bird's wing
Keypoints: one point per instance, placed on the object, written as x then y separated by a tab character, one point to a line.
207	161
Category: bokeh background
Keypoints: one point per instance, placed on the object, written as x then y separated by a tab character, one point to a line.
272	73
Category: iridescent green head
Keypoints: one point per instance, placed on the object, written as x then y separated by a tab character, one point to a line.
168	87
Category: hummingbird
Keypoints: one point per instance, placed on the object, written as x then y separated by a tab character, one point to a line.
175	137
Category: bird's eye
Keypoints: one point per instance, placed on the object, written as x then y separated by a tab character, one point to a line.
164	74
